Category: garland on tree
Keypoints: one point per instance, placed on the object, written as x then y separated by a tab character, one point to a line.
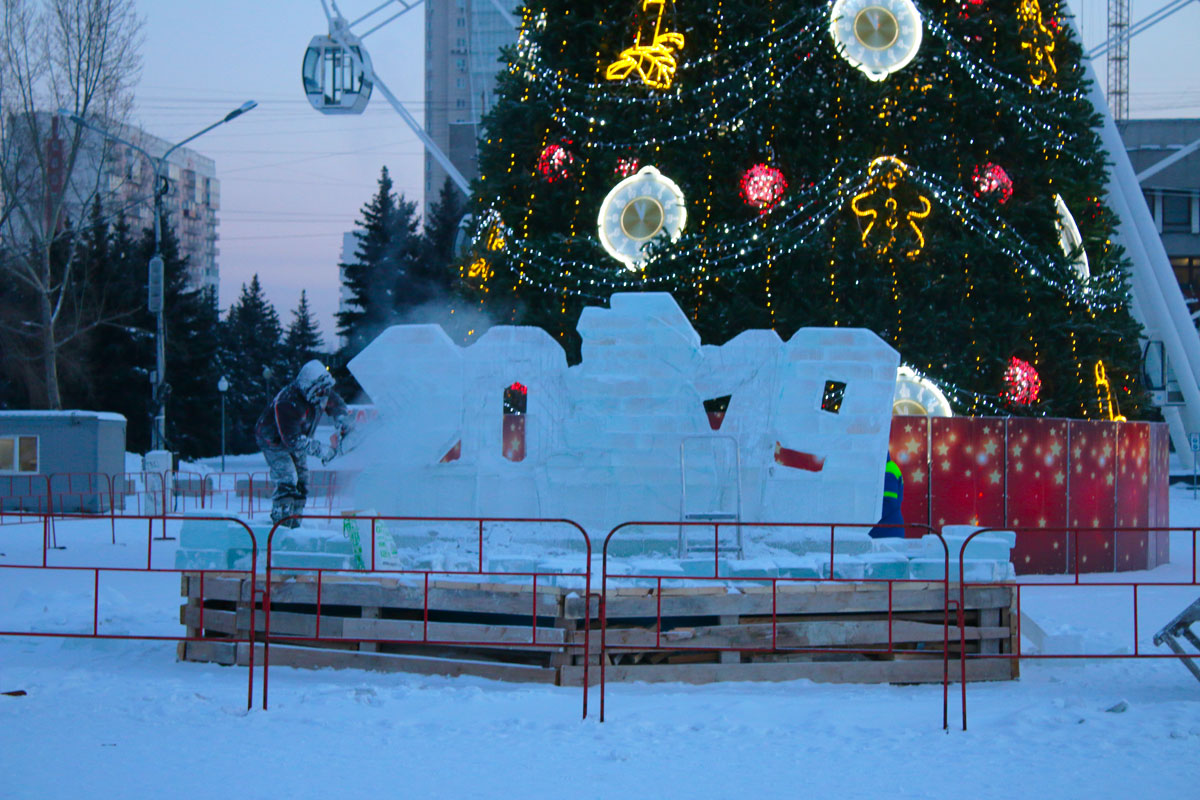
866	208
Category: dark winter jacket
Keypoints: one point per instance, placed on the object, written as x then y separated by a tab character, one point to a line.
289	419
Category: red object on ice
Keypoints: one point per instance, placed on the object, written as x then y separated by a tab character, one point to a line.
763	186
797	459
513	437
453	454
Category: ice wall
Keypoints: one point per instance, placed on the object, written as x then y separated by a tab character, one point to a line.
624	435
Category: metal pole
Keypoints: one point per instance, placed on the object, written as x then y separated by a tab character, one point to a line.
222	431
160	349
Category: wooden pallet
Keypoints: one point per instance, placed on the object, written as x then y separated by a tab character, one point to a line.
829	632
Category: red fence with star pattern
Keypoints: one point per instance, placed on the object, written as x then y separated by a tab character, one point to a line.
1046	473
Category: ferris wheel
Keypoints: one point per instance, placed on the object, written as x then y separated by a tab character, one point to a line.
338	77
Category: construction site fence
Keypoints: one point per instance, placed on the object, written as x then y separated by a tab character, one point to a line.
1076	581
731	543
423	577
43	568
151	493
953	607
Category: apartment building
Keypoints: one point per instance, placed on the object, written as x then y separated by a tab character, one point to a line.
462	57
123	179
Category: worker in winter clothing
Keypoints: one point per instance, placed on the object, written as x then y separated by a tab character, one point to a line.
285	430
891	522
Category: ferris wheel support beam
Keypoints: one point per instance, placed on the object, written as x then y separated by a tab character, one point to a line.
339	31
1156	297
429	143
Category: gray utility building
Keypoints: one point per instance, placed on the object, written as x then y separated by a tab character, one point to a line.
1171	191
61	461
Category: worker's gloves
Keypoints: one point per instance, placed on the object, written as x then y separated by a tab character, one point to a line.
326	455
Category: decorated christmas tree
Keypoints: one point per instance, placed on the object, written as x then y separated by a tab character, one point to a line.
928	170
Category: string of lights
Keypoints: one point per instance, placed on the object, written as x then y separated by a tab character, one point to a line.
735	248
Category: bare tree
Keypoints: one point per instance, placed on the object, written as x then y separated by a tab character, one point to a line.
83	56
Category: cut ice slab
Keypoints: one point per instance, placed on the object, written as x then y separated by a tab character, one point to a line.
804	541
977	570
994	545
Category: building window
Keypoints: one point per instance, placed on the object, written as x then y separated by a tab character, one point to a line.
1176	213
18	454
1187	272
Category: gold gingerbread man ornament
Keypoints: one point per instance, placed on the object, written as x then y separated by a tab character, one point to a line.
879	204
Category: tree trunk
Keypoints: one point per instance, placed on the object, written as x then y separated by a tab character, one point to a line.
49	354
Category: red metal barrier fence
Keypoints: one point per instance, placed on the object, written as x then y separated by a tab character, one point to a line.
1077	580
660	644
22	496
97	571
150	493
421	578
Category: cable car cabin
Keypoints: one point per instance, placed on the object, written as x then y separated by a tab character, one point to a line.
336	78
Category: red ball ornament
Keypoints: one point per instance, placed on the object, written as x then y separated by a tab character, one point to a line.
968	7
554	163
1021	383
626	166
991	179
762	187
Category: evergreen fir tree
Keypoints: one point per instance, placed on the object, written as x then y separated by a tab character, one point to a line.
918	202
302	341
253	361
121	351
193	359
388	248
441	228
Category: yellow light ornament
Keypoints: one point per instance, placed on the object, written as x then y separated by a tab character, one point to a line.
1104	390
654	63
1038	44
478	271
878	205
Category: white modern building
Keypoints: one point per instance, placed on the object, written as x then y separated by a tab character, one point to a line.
1172	192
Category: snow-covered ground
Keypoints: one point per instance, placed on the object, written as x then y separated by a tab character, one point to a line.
124	719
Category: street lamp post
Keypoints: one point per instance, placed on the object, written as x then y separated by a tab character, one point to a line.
156	278
222	387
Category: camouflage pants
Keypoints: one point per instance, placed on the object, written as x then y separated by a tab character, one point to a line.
289	473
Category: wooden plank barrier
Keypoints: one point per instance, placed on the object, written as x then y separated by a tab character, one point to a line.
823	631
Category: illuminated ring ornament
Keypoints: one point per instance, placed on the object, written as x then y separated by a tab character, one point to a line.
640	208
917	396
1070	238
878	37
